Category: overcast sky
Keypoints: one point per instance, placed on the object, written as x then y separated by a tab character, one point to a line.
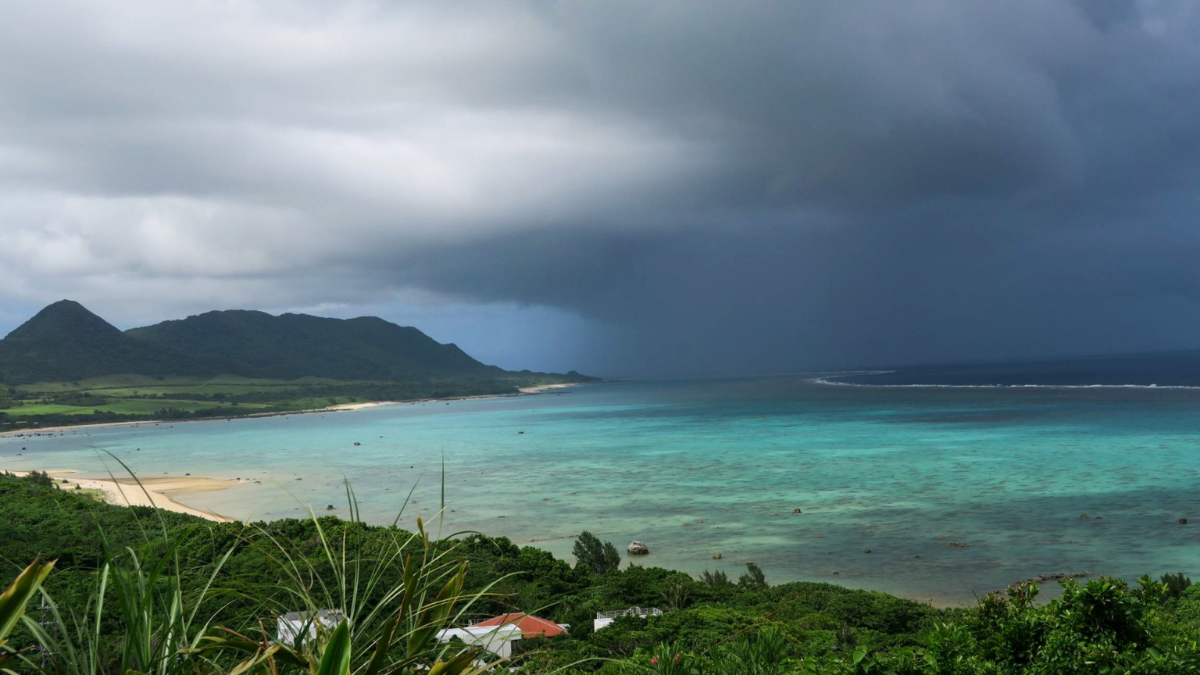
625	188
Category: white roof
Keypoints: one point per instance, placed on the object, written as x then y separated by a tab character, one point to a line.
472	634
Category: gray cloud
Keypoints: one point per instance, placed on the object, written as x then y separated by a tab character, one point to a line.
687	189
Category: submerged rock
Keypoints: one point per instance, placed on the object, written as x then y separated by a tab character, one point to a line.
1059	576
637	548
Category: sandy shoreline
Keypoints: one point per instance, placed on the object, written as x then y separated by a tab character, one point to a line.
162	490
547	387
521	391
345	407
127	492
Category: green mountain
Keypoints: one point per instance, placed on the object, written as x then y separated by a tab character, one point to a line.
66	342
257	344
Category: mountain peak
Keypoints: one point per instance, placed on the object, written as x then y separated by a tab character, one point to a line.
61	319
66	343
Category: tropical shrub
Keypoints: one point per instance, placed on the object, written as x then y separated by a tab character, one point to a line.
592	554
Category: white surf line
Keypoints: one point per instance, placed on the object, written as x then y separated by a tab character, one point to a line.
835	381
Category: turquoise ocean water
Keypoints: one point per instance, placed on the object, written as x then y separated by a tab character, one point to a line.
954	491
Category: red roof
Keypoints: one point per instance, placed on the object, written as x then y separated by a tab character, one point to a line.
531	626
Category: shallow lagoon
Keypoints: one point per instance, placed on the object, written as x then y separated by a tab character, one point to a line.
954	492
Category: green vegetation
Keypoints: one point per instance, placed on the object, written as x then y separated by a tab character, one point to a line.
16	597
595	556
66	342
140	590
149	597
94	401
257	344
68	366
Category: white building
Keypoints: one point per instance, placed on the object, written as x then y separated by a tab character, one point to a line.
498	633
605	618
292	624
495	639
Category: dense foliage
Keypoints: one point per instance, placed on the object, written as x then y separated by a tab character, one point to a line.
290	346
65	341
594	555
709	625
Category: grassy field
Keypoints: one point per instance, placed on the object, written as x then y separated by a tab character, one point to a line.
137	385
133	397
127	407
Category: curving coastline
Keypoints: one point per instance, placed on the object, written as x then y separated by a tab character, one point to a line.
152	492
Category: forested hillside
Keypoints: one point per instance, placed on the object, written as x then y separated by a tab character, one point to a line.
290	346
66	342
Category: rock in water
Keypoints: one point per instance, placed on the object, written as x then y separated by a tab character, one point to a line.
637	548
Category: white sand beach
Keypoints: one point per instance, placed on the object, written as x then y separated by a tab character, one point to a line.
157	492
547	387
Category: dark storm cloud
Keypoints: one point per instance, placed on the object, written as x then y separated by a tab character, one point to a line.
721	187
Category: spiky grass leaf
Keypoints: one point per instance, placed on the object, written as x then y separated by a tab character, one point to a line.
336	658
456	665
18	594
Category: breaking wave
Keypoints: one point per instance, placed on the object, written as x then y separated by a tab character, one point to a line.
836	380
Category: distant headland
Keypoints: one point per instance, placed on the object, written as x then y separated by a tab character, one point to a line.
68	366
